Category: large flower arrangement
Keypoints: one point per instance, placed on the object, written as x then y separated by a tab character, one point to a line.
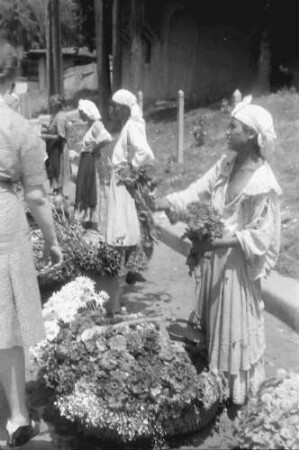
80	255
119	382
203	224
271	418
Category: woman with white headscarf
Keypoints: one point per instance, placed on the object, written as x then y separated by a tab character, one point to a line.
244	190
123	229
92	177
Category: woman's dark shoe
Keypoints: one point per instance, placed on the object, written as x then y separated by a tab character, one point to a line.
23	434
134	277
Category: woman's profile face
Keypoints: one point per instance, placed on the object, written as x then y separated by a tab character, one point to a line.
237	136
83	116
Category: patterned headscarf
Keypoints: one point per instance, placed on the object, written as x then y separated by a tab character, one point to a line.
259	120
125	97
90	109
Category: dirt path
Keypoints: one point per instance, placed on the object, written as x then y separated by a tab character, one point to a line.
168	292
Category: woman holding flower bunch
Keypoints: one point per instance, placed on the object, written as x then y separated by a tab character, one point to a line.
243	189
131	150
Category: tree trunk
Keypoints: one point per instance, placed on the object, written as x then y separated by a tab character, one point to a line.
103	69
116	38
136	45
54	53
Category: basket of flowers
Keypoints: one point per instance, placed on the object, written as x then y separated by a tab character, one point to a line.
121	383
81	256
270	420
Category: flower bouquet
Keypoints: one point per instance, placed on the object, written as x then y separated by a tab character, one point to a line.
203	224
118	383
141	184
80	256
271	418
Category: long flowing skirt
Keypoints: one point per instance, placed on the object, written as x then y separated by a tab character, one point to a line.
230	310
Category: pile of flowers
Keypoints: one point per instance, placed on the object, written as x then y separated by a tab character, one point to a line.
80	255
271	418
119	382
203	224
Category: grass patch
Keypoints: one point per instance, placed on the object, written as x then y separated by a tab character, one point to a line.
284	106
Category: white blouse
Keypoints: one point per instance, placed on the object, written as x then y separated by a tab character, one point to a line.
132	145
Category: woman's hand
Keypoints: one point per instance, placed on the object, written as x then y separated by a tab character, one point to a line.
73	155
53	254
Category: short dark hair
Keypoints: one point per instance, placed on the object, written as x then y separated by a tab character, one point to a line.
8	61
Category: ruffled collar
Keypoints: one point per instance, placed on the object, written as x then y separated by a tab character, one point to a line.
262	180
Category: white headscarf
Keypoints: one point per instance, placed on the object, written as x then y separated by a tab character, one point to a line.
90	109
125	97
258	119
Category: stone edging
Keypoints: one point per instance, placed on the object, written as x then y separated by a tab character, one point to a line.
280	294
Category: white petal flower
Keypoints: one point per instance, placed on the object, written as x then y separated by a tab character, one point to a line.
52	330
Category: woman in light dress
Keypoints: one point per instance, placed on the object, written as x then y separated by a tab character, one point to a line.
22	155
92	183
123	229
229	307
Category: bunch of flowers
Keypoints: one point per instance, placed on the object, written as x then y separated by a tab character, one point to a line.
141	184
119	382
271	418
203	224
80	256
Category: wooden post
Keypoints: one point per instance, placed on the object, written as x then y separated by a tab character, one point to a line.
140	100
103	69
180	154
116	44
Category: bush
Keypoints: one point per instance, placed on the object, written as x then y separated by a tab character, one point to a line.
80	256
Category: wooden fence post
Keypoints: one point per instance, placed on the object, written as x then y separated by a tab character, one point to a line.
180	149
140	100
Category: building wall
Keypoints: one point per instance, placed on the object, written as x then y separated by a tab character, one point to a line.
80	78
206	61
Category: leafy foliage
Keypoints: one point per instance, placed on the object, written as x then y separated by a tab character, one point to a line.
121	382
271	418
141	184
24	22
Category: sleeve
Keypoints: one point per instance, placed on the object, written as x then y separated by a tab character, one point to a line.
143	154
32	158
260	237
199	191
100	134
